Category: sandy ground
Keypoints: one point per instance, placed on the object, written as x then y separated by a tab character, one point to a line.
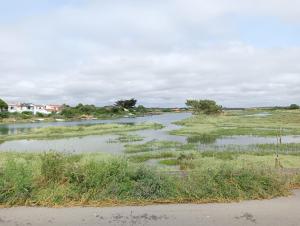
280	211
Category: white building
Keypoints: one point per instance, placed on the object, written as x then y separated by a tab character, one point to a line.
23	107
14	107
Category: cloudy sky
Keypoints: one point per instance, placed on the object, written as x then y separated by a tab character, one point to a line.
240	53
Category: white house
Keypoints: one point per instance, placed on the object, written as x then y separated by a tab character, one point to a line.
41	109
14	107
23	107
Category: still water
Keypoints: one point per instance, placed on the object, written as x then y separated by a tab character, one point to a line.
100	143
93	143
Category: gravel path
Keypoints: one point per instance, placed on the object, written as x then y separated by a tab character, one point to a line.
275	212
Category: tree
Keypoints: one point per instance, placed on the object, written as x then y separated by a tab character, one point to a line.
3	105
294	106
141	109
128	104
207	107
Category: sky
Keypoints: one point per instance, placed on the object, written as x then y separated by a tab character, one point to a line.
161	52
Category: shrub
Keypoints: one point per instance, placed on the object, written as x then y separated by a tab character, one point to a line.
4	114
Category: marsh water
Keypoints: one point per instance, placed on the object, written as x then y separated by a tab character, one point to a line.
100	143
93	143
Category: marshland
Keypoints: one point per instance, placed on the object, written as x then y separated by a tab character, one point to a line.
180	157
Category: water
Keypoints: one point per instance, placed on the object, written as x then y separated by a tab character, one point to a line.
100	143
95	143
165	119
261	114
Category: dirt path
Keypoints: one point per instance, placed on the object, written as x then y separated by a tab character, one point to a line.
276	212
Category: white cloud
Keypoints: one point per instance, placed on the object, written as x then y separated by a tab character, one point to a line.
160	52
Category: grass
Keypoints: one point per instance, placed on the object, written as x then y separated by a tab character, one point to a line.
155	145
100	129
247	122
143	157
126	138
53	179
208	173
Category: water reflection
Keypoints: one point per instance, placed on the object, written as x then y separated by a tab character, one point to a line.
97	142
202	139
7	130
165	119
4	130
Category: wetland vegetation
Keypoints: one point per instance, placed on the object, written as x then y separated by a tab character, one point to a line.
55	179
172	158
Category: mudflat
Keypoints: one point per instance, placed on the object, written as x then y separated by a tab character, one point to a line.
280	211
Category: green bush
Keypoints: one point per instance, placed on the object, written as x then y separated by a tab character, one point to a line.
4	114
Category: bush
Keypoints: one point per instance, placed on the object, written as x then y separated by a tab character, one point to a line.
4	114
39	114
294	107
26	114
207	107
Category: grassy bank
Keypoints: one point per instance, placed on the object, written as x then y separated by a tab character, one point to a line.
54	179
74	131
248	122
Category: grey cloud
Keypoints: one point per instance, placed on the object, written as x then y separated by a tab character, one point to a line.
160	52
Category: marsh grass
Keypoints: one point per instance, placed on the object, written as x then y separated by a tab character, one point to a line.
143	157
161	146
242	123
77	131
126	138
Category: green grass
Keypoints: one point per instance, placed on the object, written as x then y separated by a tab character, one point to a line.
242	123
73	131
143	157
54	179
126	138
158	146
169	162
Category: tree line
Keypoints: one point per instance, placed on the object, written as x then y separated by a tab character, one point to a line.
128	106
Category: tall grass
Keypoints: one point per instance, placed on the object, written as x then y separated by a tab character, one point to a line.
57	179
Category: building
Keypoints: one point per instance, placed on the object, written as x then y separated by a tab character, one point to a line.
41	109
29	107
14	107
54	108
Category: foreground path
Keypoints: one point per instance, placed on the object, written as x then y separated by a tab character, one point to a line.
281	212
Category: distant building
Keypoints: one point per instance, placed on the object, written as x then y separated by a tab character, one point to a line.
14	107
28	107
54	108
43	109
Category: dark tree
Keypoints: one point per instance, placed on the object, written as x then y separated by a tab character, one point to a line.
128	104
294	106
3	105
